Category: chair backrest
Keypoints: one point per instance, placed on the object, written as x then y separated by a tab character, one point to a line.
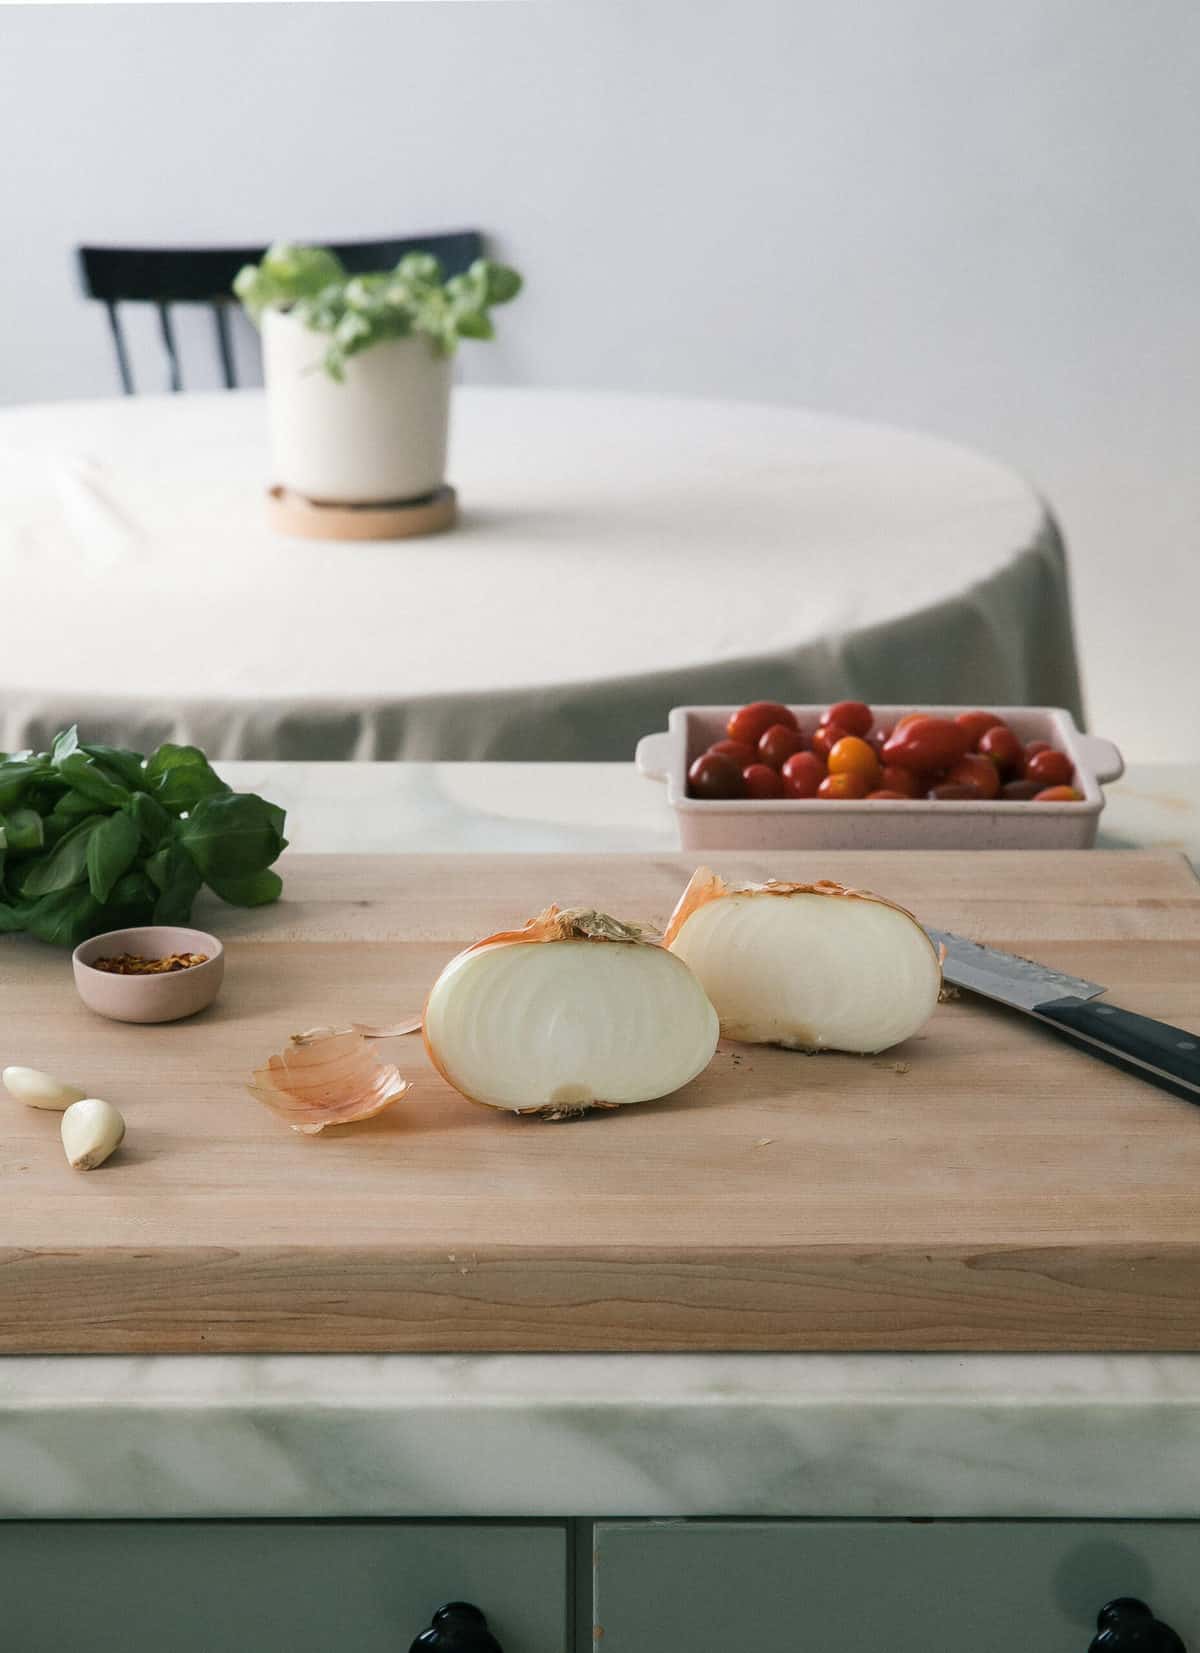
164	276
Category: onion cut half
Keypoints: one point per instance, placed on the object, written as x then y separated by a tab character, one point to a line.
326	1076
809	966
573	1012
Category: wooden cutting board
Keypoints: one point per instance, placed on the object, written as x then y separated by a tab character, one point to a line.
985	1186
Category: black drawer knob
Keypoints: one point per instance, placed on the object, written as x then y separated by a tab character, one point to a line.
458	1627
1127	1625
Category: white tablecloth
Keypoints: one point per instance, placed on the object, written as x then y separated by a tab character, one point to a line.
617	556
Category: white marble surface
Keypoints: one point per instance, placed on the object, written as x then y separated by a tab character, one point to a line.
411	1435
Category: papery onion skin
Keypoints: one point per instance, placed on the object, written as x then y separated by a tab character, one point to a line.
572	1013
326	1076
809	966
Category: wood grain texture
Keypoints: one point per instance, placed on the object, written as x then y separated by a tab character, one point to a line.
984	1187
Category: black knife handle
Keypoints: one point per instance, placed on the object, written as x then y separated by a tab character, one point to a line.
1164	1055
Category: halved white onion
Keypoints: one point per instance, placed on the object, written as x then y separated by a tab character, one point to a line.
810	966
575	1011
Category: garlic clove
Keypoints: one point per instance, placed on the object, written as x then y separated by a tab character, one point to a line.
91	1131
40	1090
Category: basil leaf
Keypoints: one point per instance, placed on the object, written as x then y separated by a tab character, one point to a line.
18	774
65	743
85	775
232	836
150	818
180	776
22	829
129	767
111	851
12	919
66	864
255	891
178	880
65	917
131	902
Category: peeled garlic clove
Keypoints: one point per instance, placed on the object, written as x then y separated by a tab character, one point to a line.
40	1090
91	1130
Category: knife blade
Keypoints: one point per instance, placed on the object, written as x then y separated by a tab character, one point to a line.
1164	1055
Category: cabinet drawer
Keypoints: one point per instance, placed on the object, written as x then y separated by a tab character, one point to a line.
863	1586
272	1586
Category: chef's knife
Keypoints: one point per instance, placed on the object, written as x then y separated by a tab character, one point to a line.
1165	1055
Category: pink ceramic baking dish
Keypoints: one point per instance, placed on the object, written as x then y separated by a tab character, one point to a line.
817	823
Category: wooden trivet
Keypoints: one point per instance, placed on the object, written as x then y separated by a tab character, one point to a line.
291	513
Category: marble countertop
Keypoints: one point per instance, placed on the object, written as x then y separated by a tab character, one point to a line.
640	1435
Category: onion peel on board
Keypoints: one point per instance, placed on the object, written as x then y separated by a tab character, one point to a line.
326	1076
813	982
527	1044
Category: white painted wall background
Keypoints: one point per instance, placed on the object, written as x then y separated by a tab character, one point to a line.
980	218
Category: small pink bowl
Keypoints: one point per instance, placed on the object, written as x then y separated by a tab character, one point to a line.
162	998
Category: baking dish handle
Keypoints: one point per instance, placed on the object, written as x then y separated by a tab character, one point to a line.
1102	758
653	756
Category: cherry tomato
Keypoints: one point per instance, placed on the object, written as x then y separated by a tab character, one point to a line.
1037	746
977	772
761	781
826	738
909	717
737	750
927	744
1005	750
1050	768
844	787
977	724
802	775
854	716
750	723
714	775
951	791
1058	795
883	793
894	779
852	756
1020	791
778	744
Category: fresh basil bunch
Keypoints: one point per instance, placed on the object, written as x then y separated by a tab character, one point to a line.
95	838
355	312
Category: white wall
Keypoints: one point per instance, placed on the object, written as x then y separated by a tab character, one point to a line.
980	218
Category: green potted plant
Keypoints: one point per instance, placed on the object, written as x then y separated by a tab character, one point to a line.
358	368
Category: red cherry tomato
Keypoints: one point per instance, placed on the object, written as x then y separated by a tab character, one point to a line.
737	750
953	791
1037	746
802	775
1050	768
826	738
845	787
977	724
1058	795
891	797
927	744
854	716
852	756
1004	749
894	779
714	775
778	744
750	723
1019	791
761	781
909	717
977	772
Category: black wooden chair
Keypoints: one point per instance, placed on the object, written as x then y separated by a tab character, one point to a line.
164	276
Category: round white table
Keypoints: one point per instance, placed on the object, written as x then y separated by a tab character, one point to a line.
617	556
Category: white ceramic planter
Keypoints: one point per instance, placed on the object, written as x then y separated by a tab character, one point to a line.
377	436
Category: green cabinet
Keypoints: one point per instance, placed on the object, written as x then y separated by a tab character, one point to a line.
884	1586
273	1586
